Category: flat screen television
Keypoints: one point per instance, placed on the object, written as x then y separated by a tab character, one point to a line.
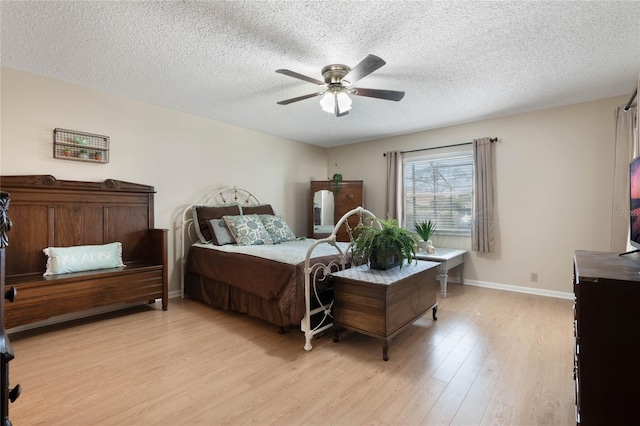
634	203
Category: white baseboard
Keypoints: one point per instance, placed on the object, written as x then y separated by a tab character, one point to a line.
516	288
83	314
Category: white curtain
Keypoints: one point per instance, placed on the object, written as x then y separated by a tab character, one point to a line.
626	149
395	186
482	229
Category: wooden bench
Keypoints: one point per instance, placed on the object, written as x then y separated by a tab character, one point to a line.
46	212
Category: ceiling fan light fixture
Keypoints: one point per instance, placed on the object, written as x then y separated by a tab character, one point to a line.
335	102
328	102
336	99
344	102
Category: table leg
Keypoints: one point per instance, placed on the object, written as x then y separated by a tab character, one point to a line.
442	277
462	273
434	311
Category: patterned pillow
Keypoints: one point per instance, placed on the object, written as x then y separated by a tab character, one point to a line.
277	228
248	230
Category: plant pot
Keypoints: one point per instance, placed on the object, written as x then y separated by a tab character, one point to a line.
66	153
379	263
98	157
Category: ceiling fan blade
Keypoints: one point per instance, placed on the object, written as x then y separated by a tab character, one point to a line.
364	68
299	98
300	76
389	95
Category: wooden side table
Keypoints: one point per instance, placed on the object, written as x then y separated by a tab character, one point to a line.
381	304
448	258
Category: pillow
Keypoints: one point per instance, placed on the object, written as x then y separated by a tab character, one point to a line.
203	214
62	260
248	230
220	232
277	228
261	209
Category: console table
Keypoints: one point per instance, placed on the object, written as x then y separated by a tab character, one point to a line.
449	259
381	304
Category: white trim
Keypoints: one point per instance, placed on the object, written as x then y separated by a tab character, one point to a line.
84	314
516	288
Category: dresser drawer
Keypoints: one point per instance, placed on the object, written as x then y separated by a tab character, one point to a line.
349	194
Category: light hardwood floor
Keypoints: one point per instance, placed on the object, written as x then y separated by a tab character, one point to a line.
493	357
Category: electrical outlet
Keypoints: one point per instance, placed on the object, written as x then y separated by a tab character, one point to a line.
534	277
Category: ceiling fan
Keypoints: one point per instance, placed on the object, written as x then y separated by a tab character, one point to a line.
338	79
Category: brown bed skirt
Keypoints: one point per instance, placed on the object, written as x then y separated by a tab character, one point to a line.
221	295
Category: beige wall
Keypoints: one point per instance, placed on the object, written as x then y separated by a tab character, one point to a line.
184	157
554	177
554	169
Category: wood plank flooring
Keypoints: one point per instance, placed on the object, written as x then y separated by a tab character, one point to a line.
493	357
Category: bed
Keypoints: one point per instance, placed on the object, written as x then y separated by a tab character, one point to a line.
285	283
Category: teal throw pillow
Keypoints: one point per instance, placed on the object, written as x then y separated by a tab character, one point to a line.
247	230
62	260
277	228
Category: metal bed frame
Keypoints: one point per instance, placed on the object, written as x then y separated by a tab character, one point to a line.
313	273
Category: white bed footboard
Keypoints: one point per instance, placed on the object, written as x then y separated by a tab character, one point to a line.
320	272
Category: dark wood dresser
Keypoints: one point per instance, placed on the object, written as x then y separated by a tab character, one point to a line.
607	337
6	352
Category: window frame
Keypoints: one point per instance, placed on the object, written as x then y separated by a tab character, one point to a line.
465	153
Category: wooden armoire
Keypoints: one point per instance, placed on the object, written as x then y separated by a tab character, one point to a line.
328	202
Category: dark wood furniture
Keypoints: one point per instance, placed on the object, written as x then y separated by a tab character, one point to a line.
347	196
6	351
381	304
56	213
607	337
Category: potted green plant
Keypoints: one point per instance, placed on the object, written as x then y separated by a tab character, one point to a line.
66	151
384	246
425	230
335	184
83	154
97	155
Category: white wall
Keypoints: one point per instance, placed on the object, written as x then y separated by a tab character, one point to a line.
183	156
554	176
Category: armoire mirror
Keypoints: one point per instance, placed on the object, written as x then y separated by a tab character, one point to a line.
328	204
323	213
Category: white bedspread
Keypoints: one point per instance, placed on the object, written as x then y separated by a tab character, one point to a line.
290	252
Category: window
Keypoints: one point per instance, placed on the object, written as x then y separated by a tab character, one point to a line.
440	188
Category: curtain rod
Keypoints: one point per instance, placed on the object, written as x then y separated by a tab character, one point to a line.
492	140
635	93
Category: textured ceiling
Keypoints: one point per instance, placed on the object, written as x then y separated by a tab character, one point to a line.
457	61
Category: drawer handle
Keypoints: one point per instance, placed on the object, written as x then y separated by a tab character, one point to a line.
349	196
15	393
10	294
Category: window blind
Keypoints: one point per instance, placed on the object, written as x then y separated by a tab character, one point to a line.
440	188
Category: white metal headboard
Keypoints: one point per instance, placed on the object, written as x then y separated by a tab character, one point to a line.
228	196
